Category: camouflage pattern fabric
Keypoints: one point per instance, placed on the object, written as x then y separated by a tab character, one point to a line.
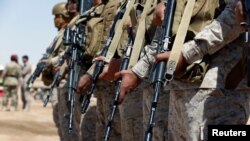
104	94
131	115
11	76
192	110
10	98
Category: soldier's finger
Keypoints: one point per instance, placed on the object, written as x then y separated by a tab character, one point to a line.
104	72
117	75
99	58
162	56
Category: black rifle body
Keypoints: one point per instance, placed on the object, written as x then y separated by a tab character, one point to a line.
75	39
40	66
158	72
124	66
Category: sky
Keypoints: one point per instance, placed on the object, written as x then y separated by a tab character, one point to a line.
26	28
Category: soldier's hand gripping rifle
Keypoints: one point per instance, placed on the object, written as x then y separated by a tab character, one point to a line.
75	40
246	4
40	66
158	73
124	66
56	80
100	64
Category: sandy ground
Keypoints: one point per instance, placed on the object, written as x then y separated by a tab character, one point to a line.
35	125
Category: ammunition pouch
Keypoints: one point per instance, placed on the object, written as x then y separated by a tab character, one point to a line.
195	72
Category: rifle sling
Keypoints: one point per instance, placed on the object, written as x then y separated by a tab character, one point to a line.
118	32
140	34
179	40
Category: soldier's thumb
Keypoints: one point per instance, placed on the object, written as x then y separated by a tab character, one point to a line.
118	75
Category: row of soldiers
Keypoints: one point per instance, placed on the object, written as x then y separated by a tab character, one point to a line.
123	48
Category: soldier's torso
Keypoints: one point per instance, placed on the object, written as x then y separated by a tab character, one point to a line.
27	66
13	71
203	14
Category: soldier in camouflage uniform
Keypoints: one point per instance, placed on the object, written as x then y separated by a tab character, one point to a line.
191	103
25	93
104	98
11	79
1	86
84	127
131	118
62	18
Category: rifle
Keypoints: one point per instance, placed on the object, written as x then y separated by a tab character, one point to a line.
40	66
56	80
158	73
124	66
99	65
75	39
246	5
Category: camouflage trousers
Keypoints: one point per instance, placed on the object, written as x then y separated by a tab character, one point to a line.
183	115
54	102
10	97
63	111
26	98
161	120
88	122
127	125
83	125
131	116
104	94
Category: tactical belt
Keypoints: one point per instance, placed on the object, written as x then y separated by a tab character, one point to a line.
11	76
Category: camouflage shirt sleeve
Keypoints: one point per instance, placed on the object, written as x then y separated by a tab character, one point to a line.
215	36
142	68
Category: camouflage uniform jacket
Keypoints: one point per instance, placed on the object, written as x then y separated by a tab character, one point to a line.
210	40
11	74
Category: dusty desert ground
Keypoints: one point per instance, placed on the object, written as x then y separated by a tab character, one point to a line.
35	125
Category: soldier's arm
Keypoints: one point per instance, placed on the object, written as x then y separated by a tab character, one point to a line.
147	58
212	38
141	69
215	36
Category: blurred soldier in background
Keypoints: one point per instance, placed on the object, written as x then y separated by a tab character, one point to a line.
25	93
11	79
1	86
